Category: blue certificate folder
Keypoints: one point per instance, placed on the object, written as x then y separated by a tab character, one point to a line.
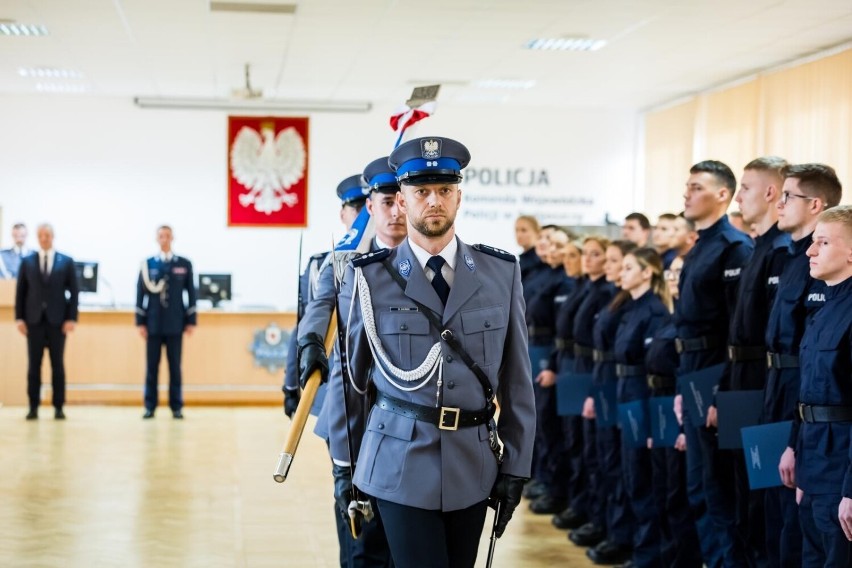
539	358
633	419
664	426
736	410
606	407
571	392
698	389
763	446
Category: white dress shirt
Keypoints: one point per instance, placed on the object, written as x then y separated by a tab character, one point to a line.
51	256
449	255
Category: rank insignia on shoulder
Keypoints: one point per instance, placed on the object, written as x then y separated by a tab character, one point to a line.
469	262
495	252
372	257
405	267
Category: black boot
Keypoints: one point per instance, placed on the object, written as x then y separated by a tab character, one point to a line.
534	489
608	552
588	535
568	519
547	505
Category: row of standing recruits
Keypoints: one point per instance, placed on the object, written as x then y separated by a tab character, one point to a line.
753	306
434	339
46	310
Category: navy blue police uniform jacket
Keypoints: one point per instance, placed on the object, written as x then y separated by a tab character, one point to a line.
640	322
164	313
823	465
540	311
708	291
598	294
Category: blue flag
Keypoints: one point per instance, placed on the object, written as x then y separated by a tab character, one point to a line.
571	393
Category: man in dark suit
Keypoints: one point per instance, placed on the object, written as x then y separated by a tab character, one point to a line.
45	312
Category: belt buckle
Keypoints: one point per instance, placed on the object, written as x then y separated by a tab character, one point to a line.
768	360
449	411
678	344
731	352
802	412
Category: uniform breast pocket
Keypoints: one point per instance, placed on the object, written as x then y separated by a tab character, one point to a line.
405	335
484	329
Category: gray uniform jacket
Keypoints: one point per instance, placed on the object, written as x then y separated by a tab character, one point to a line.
415	463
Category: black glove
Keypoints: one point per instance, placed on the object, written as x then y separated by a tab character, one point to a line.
342	488
291	401
312	357
507	490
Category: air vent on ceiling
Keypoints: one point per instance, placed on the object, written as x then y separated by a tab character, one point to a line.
253	7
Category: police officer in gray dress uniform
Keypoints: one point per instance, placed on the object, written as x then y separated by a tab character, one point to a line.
428	451
10	258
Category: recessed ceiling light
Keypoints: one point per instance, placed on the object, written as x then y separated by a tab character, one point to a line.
15	29
516	84
64	88
566	44
49	73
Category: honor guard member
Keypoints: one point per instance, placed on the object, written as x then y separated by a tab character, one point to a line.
437	326
352	193
371	547
808	190
708	292
162	317
823	470
760	190
10	258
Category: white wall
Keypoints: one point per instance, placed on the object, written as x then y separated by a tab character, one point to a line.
105	174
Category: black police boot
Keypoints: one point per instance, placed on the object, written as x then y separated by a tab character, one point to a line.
608	552
568	519
177	414
32	414
148	414
588	535
58	414
628	564
547	505
534	489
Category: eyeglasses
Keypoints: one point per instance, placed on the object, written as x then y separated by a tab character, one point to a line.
786	195
672	275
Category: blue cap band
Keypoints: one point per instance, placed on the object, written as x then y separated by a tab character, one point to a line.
421	165
384	178
353	194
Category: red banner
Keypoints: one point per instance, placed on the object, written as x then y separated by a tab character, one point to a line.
267	171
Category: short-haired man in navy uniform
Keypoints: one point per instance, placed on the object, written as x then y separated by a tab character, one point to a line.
708	292
162	318
379	184
353	194
759	192
437	326
823	470
46	312
808	190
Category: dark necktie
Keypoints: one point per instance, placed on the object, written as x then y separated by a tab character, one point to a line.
44	274
438	283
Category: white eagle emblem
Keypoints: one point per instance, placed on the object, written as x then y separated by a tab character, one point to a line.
431	149
268	166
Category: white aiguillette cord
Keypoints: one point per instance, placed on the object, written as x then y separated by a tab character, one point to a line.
433	361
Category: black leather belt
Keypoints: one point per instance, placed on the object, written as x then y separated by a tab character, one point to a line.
661	382
599	356
816	413
781	361
534	331
630	370
696	343
583	351
737	353
565	344
445	417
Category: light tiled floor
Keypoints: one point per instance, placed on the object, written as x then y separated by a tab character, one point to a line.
105	488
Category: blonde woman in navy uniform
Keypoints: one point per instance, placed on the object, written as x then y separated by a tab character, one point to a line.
427	455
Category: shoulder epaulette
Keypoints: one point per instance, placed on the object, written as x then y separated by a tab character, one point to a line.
320	256
372	257
496	252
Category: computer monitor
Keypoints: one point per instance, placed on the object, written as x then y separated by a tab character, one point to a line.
87	276
214	287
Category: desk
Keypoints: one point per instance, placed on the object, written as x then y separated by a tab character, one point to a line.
105	359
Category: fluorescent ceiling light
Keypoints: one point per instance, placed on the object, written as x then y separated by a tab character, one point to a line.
60	88
566	44
14	29
253	7
190	103
514	84
49	73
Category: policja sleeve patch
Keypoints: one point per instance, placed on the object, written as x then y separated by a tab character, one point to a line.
496	252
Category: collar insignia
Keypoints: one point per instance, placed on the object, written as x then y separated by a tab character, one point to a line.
405	267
